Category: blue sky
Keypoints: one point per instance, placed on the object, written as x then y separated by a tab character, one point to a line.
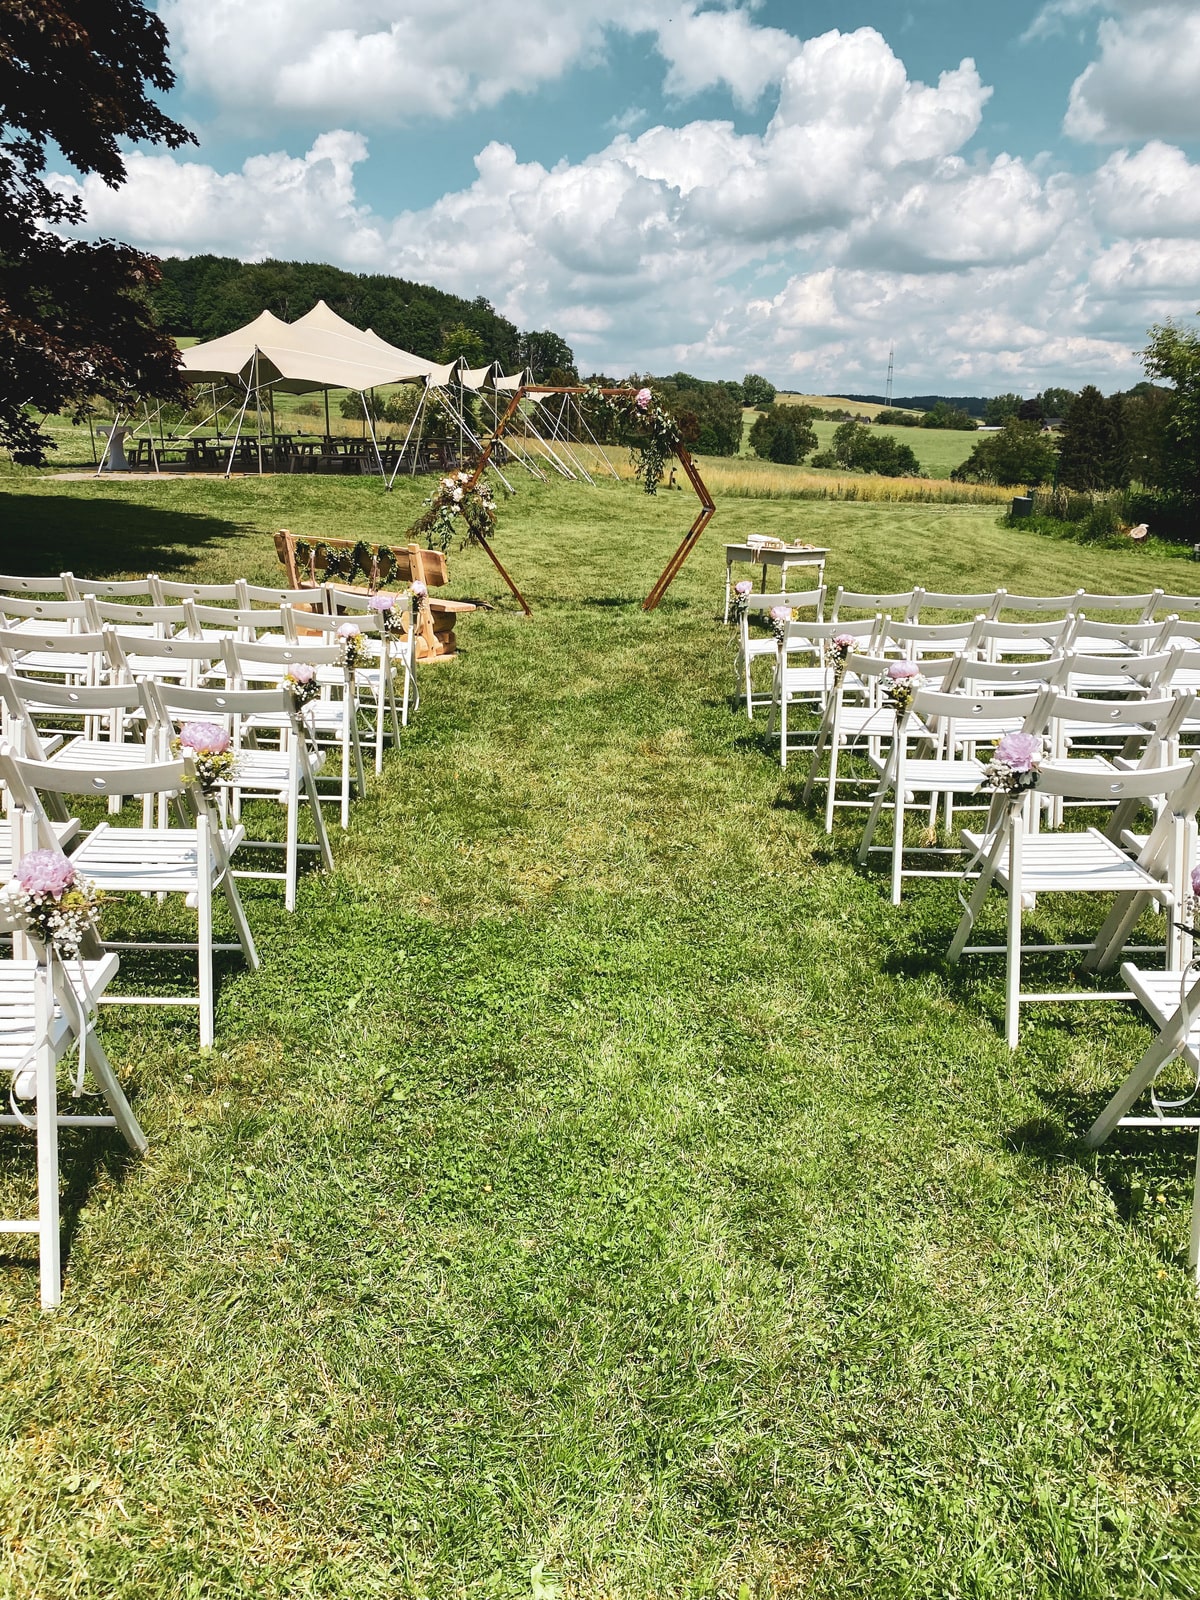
1009	194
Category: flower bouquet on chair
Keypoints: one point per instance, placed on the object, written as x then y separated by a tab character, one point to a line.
1015	765
301	680
48	898
354	645
210	747
900	684
780	617
739	600
837	652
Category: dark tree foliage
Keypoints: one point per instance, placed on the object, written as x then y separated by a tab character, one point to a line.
716	408
1000	407
1056	402
1093	447
1019	454
1174	354
206	296
1031	410
784	434
756	391
857	447
75	320
546	352
945	415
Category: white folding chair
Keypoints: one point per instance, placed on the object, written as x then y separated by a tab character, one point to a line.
1141	607
870	727
287	775
181	659
376	683
996	640
754	647
110	588
332	723
1026	863
115	707
922	641
942	775
926	600
1139	676
813	681
46	1017
1172	1002
245	624
190	861
1092	638
135	622
163	590
873	605
23	613
18	584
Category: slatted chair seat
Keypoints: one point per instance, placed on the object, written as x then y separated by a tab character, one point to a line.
146	860
64	833
18	1006
1071	863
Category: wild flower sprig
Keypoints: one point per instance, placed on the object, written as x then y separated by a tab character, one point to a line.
641	421
48	898
209	745
1014	766
900	684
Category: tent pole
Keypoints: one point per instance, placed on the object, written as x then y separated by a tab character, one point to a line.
374	440
408	435
150	435
92	431
257	411
274	444
237	433
326	394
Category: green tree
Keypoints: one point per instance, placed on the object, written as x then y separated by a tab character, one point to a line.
944	415
463	342
1093	447
1031	411
756	391
784	434
1174	355
999	408
856	446
542	352
1056	402
75	318
1019	454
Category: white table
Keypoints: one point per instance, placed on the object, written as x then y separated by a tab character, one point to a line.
782	556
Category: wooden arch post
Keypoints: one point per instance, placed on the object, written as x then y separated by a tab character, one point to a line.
690	539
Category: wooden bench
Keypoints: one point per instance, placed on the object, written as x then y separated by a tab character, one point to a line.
310	563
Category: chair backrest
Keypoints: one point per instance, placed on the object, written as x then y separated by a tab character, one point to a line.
178	700
328	623
867	668
942	707
27	641
1144	604
250	594
916	639
241	620
164	589
1038	602
874	603
1139	636
166	619
274	657
1003	677
112	588
180	647
14	583
797	599
1014	634
39	694
1180	604
74	612
1123	713
27	778
799	634
1074	780
1137	671
935	600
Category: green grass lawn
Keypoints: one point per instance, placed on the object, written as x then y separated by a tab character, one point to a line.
600	1191
939	450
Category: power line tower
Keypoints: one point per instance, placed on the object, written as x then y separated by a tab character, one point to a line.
891	368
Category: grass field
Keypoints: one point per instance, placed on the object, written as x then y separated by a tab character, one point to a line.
600	1193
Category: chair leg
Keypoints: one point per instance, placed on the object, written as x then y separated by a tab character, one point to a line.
1194	1235
1012	964
898	837
204	951
967	921
49	1242
831	791
291	865
101	1069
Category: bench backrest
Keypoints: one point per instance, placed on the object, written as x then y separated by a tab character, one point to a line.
312	562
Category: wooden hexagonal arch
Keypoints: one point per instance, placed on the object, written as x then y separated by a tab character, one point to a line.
690	539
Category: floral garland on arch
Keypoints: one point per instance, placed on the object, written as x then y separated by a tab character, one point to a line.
456	507
652	433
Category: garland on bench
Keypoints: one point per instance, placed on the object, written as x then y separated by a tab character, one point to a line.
376	564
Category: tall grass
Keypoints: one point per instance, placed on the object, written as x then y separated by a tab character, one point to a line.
770	482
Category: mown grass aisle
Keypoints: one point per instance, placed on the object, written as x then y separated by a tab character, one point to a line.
600	1181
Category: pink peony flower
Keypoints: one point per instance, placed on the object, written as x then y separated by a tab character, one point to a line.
348	630
45	872
899	670
1019	751
381	602
1195	879
744	587
642	399
302	672
845	640
781	613
420	588
205	738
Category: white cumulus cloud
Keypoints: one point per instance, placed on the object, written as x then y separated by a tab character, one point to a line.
1143	83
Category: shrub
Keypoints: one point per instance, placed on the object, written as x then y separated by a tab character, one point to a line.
1019	454
856	447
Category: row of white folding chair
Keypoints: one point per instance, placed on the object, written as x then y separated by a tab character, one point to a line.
953	728
994	603
812	682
